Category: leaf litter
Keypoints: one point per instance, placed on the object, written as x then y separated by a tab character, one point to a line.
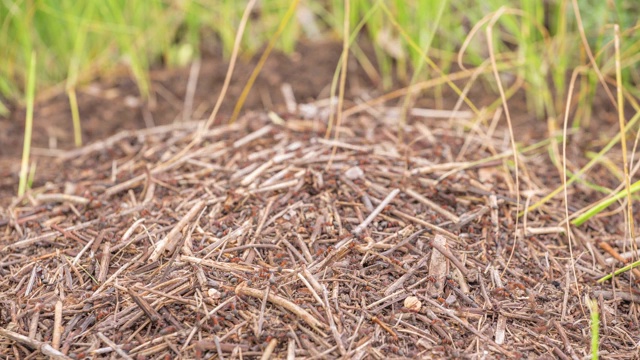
258	242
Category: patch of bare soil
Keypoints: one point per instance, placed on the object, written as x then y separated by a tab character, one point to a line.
266	238
112	105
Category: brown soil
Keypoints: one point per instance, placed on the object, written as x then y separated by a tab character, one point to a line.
258	238
114	105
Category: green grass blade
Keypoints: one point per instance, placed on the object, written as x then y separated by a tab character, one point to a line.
619	271
599	207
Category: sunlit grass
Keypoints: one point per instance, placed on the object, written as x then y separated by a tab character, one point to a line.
543	40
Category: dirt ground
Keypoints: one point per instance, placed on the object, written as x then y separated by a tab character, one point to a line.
267	237
111	105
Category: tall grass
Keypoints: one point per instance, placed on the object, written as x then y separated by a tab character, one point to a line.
78	41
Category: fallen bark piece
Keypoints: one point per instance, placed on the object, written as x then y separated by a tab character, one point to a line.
438	267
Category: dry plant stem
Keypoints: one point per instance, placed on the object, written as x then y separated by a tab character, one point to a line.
428	225
61	198
219	265
232	63
115	274
53	234
507	113
243	289
587	48
344	61
43	347
376	211
192	84
57	326
151	313
438	266
618	295
269	350
447	214
565	340
404	242
113	346
464	324
400	282
291	350
33	326
623	134
169	242
438	245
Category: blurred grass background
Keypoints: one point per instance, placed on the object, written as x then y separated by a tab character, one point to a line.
538	42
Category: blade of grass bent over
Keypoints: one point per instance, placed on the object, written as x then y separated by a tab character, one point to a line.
619	271
588	166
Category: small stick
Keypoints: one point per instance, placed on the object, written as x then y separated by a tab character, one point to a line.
151	313
384	326
104	262
438	267
467	326
291	350
33	325
398	283
450	256
500	329
618	295
263	307
309	286
44	348
542	230
376	211
269	350
113	345
169	242
116	274
61	198
428	225
263	219
332	324
565	340
256	173
218	265
57	326
437	208
192	83
253	136
243	289
278	186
